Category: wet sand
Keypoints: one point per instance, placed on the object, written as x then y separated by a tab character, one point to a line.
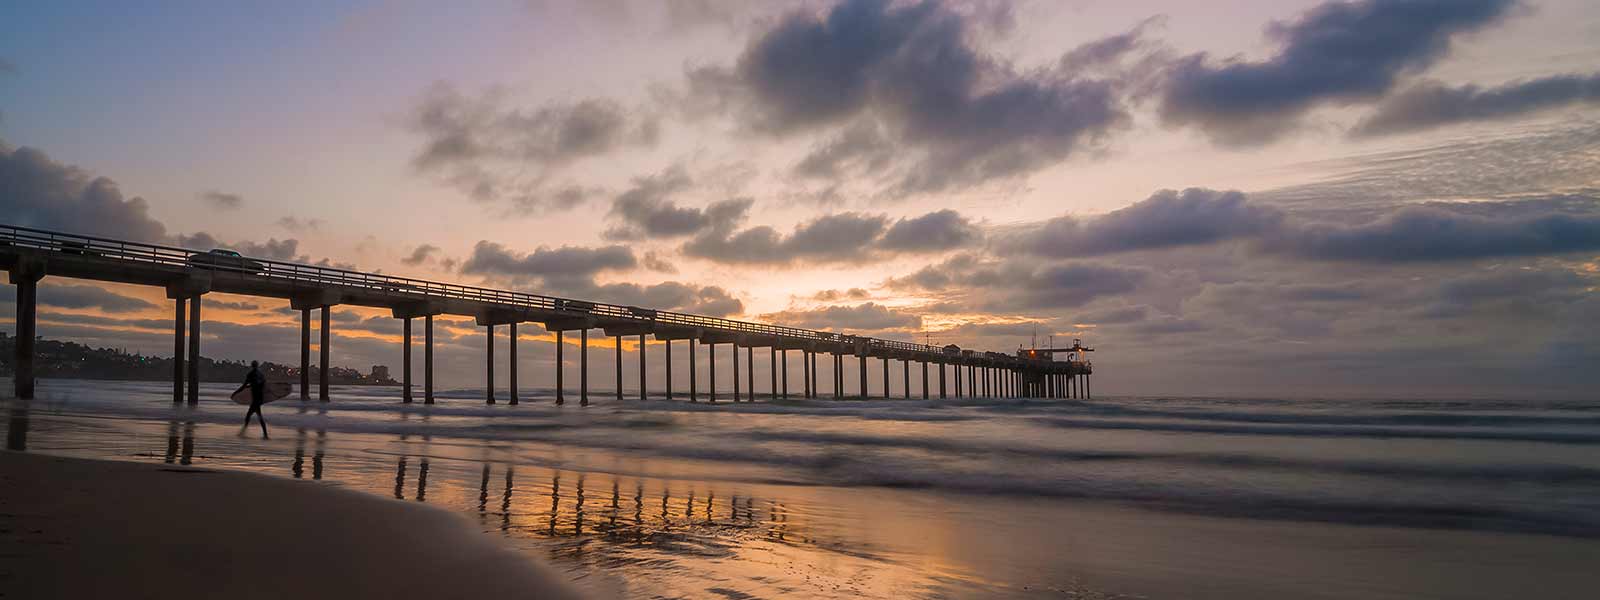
73	528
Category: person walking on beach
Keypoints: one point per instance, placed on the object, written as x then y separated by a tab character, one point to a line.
258	394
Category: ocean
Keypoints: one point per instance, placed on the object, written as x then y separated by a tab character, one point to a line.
1116	497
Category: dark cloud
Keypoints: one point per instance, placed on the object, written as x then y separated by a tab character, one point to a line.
222	200
868	316
644	211
479	145
40	192
847	237
1436	233
654	262
1111	50
495	261
423	253
932	232
272	249
88	296
1021	284
1166	219
1128	314
1433	104
836	295
913	69
1516	293
298	225
1338	52
843	237
859	148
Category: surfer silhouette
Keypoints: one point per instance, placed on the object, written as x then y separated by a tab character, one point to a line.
258	394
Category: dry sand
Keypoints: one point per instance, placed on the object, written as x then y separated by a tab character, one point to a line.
73	528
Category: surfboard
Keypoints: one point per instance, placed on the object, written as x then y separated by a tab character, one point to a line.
275	390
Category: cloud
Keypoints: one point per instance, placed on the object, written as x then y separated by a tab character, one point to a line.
932	232
1110	50
1436	233
670	295
861	147
1020	284
848	237
868	316
654	262
843	237
223	304
42	193
272	249
221	200
913	70
836	295
88	296
297	225
423	253
494	260
1166	219
1335	53
1432	104
646	212
479	145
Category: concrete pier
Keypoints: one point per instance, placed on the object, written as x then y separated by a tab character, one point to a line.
514	365
668	344
27	254
583	367
711	387
694	393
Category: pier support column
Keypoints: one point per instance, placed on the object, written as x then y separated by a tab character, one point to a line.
905	373
488	388
194	350
583	367
816	392
619	368
644	393
924	380
773	387
27	329
405	360
805	374
561	393
941	382
885	361
711	359
749	372
514	366
862	362
736	372
322	353
838	376
1088	392
694	392
785	353
668	344
955	372
427	359
177	350
304	354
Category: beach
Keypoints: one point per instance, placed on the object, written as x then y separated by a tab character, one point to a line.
970	498
75	528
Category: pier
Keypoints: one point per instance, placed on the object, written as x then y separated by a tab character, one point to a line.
29	255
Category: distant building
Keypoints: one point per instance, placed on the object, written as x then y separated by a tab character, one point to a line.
380	373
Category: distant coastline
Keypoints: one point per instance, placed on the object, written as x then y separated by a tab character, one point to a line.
70	360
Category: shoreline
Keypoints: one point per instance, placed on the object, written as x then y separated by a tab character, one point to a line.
81	528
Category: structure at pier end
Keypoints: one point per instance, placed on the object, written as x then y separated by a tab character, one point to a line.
28	255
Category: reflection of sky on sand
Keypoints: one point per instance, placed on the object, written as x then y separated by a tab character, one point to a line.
763	501
647	536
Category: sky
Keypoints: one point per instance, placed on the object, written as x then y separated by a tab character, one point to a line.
1389	198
